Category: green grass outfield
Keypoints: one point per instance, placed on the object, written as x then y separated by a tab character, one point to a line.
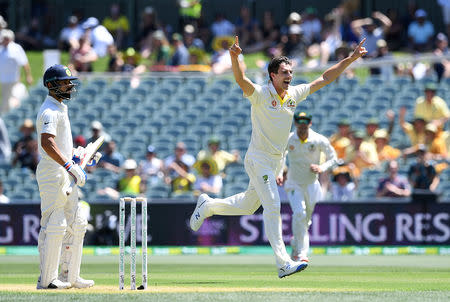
243	278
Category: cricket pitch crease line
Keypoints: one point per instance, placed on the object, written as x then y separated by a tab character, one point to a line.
101	289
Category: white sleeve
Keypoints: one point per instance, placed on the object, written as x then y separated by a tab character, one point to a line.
330	154
255	98
217	183
49	120
300	92
22	57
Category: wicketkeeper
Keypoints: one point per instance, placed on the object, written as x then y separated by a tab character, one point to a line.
63	224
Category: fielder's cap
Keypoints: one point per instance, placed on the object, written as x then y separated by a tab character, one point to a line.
214	140
441	37
96	125
302	118
431	127
57	72
431	86
27	124
421	147
129	164
177	37
344	122
420	13
295	29
293	17
150	149
381	133
90	22
381	43
358	134
373	121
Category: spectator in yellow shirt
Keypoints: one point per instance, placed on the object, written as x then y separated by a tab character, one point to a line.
361	155
416	130
221	157
431	107
341	140
118	26
384	151
435	144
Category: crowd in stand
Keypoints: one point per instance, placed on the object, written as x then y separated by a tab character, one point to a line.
305	37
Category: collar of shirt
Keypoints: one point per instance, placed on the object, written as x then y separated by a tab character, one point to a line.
274	93
302	141
61	105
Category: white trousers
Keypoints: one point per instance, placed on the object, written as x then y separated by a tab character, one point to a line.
262	190
57	211
7	89
302	199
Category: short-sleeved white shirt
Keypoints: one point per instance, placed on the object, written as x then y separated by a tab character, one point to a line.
68	33
302	154
271	120
53	119
12	57
101	38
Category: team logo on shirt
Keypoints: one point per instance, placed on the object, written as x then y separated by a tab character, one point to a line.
291	103
311	148
291	147
266	178
274	103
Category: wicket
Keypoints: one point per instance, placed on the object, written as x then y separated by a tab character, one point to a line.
122	223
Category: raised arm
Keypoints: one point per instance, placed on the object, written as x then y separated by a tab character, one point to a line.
334	71
246	85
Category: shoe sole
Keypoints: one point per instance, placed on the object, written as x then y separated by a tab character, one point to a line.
299	269
197	207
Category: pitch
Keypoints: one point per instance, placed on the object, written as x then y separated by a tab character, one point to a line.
243	278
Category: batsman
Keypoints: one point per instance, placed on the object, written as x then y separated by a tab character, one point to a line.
63	223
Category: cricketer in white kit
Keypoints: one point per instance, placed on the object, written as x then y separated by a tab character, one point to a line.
272	110
304	149
63	224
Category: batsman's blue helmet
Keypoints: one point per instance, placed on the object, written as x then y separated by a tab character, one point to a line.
57	72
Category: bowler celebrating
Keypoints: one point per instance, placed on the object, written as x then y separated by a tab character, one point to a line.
272	110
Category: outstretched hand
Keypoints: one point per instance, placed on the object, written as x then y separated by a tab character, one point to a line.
235	50
360	50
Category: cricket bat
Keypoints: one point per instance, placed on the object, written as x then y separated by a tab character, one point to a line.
90	150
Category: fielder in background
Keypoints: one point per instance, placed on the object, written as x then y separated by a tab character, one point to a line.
272	110
302	186
63	223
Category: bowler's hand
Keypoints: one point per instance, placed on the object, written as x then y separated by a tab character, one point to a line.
280	180
315	168
359	51
235	50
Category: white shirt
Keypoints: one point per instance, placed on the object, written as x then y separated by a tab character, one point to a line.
214	181
271	121
71	33
53	119
151	167
4	198
12	57
101	39
302	154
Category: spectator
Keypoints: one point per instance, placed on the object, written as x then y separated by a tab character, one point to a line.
27	129
70	35
160	49
222	27
12	58
361	154
367	29
179	156
295	46
3	198
431	107
393	185
384	151
311	26
189	38
97	131
79	141
208	180
81	58
184	180
342	139
271	34
332	37
395	34
415	130
130	184
342	187
99	36
118	26
221	157
386	71
221	60
3	23
181	54
247	28
131	60
445	5
30	36
5	143
151	169
190	12
420	32
148	25
422	174
28	157
435	143
371	126
111	159
442	68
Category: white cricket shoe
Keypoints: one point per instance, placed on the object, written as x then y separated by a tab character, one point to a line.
55	284
199	215
82	283
291	268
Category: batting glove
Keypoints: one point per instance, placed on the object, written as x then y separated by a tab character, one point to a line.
78	155
78	174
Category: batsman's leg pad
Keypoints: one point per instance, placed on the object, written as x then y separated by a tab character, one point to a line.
51	250
73	248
